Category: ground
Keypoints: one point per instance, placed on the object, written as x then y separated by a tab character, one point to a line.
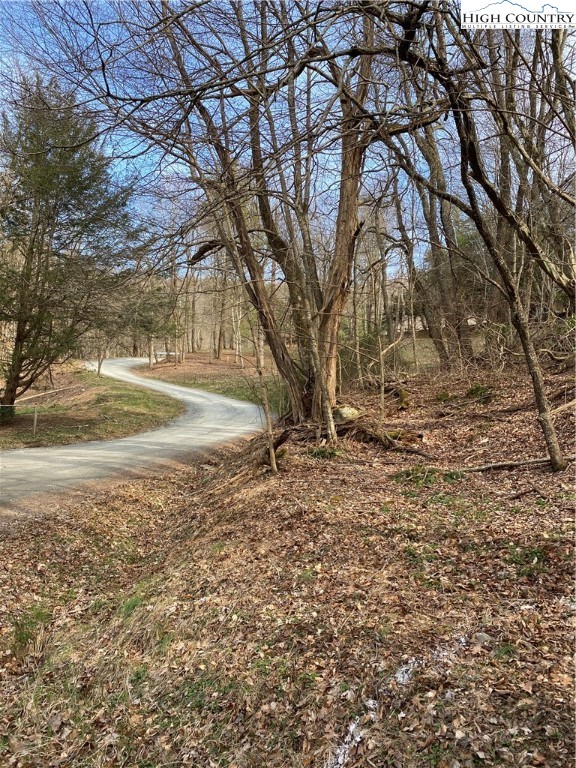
354	610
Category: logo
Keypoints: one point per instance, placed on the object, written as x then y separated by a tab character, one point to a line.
530	14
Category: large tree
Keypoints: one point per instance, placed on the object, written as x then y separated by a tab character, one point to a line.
63	223
506	97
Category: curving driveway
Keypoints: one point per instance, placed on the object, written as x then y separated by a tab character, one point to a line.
209	420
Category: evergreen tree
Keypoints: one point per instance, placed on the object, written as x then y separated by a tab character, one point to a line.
64	227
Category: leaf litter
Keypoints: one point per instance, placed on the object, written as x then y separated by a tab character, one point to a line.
350	611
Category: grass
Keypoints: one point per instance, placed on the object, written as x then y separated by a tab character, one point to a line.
92	409
417	557
27	626
419	476
139	676
307	576
481	393
505	651
324	452
239	387
528	561
131	604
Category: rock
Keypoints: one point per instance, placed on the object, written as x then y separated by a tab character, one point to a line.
344	413
481	638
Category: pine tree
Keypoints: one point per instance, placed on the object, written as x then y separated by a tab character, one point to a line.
64	226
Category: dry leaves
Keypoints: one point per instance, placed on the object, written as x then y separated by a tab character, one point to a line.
334	615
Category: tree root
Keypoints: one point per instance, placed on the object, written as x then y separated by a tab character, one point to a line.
558	358
564	362
394	439
370	432
360	430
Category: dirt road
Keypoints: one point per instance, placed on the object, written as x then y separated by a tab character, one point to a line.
209	420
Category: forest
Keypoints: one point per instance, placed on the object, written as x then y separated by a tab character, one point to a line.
341	177
352	205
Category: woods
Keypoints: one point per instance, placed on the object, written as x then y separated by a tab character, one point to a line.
358	216
317	139
359	172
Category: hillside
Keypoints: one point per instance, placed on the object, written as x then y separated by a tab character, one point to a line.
354	610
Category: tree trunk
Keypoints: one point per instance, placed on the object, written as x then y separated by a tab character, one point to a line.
150	351
339	277
557	459
8	411
355	327
13	377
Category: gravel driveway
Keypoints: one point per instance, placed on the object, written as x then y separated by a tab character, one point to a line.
209	420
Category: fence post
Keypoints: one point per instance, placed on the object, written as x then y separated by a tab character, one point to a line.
35	420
